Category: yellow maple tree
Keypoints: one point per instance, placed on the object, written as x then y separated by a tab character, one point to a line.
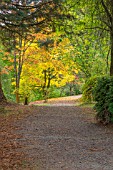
47	65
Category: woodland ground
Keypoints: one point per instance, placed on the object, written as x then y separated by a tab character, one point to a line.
57	136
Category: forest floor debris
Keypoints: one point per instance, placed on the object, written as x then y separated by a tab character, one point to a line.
54	138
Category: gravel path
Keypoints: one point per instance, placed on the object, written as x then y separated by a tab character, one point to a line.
66	138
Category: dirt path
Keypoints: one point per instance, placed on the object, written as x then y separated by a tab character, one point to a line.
61	101
65	138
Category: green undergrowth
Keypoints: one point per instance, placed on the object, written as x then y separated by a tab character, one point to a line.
91	105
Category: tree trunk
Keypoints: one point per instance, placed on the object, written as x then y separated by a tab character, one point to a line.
17	77
111	65
111	34
17	96
26	101
2	96
108	8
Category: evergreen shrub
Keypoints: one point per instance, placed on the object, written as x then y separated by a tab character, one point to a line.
103	95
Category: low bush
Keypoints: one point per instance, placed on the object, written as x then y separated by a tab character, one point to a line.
103	95
87	90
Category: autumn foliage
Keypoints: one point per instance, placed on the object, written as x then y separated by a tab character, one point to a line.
47	63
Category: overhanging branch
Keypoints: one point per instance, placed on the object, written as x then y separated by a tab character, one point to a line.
106	10
97	27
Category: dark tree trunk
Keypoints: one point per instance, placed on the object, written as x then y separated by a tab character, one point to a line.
108	8
2	96
26	101
111	65
111	34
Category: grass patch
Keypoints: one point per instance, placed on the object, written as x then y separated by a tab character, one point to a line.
91	105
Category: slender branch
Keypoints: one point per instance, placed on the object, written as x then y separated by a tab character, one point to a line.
31	6
106	23
97	27
107	57
7	25
106	10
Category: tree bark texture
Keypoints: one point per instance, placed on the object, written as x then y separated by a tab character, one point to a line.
111	65
2	96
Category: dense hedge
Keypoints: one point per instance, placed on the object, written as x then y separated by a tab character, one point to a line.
103	95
